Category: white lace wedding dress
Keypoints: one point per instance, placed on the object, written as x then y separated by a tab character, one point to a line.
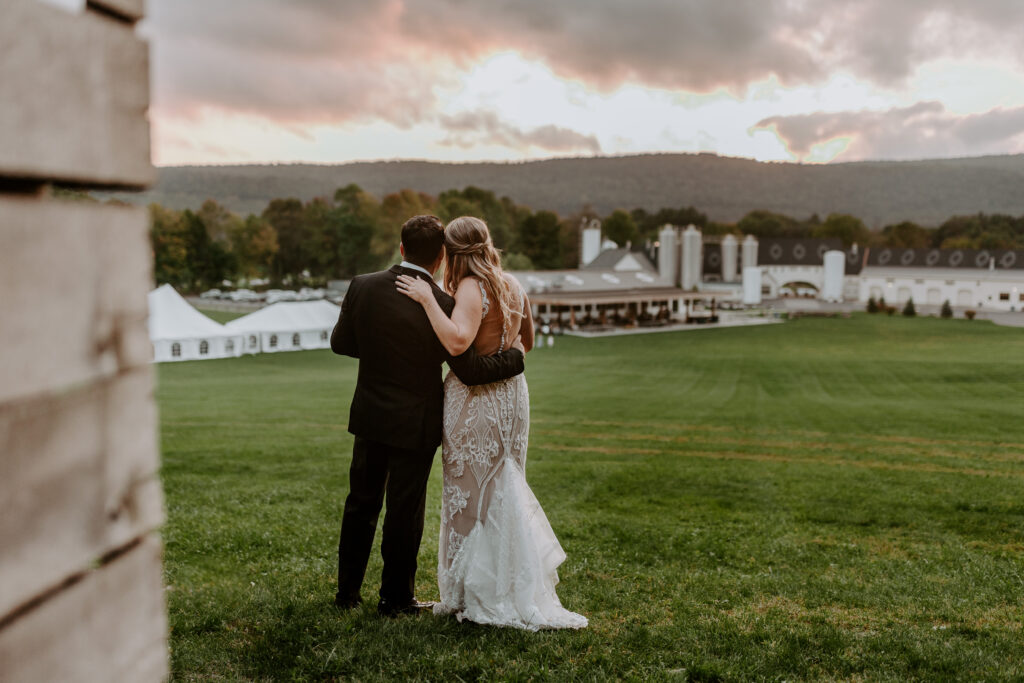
498	556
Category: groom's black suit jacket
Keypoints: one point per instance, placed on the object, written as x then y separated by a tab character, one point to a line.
399	395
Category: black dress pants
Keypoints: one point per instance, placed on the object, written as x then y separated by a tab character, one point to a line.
379	469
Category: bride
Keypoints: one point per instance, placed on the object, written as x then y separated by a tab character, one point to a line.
498	556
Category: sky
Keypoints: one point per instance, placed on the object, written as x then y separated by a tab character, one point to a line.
333	81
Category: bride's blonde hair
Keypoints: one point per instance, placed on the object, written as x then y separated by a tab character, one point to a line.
470	251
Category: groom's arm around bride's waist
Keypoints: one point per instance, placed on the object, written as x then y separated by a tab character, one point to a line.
472	368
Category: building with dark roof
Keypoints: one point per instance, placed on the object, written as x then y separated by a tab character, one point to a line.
983	279
685	269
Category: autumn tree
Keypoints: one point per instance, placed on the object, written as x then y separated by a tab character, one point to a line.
395	209
287	218
323	240
760	223
474	201
170	247
209	261
848	229
254	243
516	261
353	222
539	240
648	224
218	221
980	231
906	235
619	228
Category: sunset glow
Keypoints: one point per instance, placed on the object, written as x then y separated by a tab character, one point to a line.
435	79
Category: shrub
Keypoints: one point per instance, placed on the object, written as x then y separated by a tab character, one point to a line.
516	261
881	303
890	310
908	309
872	305
970	314
947	310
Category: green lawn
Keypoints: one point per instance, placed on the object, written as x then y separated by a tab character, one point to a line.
220	316
824	499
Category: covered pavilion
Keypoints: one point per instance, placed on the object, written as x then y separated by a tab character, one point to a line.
603	308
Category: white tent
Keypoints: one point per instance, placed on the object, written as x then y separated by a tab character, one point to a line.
287	326
180	332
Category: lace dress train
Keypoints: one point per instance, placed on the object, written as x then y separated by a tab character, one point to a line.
498	556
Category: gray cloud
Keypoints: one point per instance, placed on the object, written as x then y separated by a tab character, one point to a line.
690	43
482	127
693	44
291	62
364	60
924	130
884	41
281	89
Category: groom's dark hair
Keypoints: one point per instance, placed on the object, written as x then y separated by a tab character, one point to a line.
422	237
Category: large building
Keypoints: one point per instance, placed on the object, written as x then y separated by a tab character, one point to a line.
983	279
825	269
684	274
618	286
613	286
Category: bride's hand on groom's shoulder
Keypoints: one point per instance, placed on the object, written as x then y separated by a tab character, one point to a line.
414	288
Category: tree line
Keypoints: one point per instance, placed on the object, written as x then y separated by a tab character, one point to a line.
292	242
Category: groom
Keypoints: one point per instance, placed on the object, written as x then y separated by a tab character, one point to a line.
396	415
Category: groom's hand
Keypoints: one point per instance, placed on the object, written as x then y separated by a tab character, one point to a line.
518	344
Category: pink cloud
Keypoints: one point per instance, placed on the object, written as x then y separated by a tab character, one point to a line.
923	130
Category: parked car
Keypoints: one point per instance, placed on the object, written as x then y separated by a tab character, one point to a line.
275	295
211	294
244	295
310	294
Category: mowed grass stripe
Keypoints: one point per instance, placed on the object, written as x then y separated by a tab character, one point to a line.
636	427
780	458
920	452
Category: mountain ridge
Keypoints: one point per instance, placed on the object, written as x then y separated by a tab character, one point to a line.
725	188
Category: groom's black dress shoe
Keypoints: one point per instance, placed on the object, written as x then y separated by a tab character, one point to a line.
350	602
387	608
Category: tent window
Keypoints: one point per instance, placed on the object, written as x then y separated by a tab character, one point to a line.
175	350
273	341
323	335
295	339
252	341
229	346
204	348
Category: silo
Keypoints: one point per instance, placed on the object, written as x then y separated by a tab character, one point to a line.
835	271
729	253
590	238
749	252
668	254
692	257
751	285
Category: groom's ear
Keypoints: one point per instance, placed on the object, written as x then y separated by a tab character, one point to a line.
401	250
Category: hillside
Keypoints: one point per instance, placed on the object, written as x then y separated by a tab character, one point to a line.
725	188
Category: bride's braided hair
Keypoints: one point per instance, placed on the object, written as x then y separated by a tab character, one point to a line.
470	252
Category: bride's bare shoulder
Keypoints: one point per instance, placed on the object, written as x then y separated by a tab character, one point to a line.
468	288
512	281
